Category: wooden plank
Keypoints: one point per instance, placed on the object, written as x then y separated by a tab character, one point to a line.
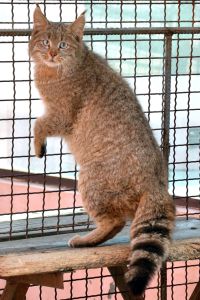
117	274
54	280
49	225
185	229
68	259
183	250
14	291
196	293
51	254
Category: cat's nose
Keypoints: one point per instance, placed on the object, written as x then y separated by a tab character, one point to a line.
52	53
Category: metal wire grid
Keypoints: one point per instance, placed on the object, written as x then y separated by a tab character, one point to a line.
142	66
139	10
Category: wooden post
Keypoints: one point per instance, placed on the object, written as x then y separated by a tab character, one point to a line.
15	291
196	293
21	290
16	287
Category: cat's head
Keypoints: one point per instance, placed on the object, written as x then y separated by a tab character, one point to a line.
55	44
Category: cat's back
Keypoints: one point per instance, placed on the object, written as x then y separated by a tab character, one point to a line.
111	91
111	121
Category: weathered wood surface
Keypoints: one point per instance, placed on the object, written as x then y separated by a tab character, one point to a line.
49	225
37	262
185	229
51	254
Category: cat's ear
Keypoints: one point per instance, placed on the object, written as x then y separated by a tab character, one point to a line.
39	20
77	26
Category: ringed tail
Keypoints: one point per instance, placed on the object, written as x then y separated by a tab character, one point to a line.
150	241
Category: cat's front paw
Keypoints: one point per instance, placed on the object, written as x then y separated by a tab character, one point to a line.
43	150
40	151
75	241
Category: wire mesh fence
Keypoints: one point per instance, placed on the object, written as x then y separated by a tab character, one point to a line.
162	65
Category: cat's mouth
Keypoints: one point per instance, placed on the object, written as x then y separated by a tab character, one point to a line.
51	62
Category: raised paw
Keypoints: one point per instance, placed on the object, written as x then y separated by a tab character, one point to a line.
43	150
40	150
75	242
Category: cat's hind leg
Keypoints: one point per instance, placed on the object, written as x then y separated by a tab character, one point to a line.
106	229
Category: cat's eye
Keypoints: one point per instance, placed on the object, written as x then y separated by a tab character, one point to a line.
63	45
45	43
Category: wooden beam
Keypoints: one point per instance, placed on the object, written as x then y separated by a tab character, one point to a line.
54	280
67	259
196	293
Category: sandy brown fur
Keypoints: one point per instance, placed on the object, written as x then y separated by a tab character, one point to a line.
122	173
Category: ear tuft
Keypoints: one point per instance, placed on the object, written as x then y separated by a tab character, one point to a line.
39	20
77	26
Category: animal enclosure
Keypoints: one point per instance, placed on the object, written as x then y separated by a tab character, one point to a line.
155	46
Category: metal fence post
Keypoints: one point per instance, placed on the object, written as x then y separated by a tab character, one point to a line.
166	142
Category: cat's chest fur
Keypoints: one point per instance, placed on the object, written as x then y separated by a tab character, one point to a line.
61	95
56	92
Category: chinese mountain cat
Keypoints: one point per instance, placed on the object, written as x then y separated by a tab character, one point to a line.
122	172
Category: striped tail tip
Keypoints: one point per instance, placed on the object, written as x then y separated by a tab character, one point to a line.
139	275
